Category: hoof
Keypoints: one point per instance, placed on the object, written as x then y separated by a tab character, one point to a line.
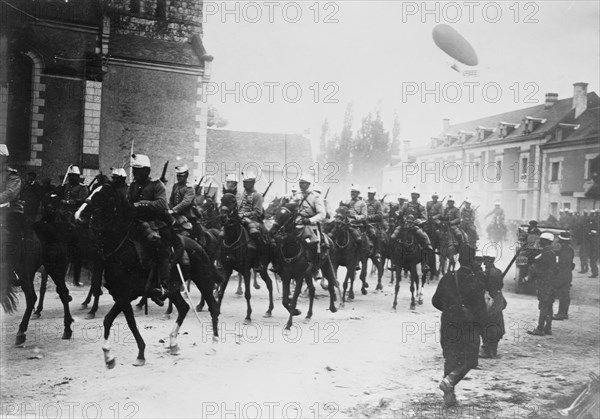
364	291
394	308
110	364
138	362
68	334
199	308
256	286
420	302
351	295
413	306
20	339
36	316
247	320
239	292
296	312
365	284
174	350
333	309
165	317
379	287
267	315
90	316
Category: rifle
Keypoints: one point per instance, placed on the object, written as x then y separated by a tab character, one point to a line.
207	189
326	193
267	190
198	185
163	177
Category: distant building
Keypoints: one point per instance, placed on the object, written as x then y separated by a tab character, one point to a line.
536	161
276	157
85	79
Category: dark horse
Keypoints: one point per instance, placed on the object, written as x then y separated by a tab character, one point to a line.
347	252
406	254
126	275
237	253
431	229
295	263
448	248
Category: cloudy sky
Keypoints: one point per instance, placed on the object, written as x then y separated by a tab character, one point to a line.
381	53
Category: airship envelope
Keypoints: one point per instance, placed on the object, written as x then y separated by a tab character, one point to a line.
453	44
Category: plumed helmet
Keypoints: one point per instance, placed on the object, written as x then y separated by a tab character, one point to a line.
546	235
355	188
371	189
231	178
140	160
182	169
118	171
73	170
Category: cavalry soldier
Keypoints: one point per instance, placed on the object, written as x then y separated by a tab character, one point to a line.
231	182
417	212
31	195
543	271
564	275
11	215
414	208
374	219
118	177
357	213
182	198
497	212
460	298
149	199
250	210
311	211
493	328
434	208
468	217
73	192
452	216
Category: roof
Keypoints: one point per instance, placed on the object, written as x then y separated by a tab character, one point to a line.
157	50
589	125
560	111
259	147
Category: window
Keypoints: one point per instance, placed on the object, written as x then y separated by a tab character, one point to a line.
554	171
161	9
566	205
523	207
524	166
588	173
554	208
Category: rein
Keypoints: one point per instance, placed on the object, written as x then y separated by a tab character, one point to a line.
347	241
237	243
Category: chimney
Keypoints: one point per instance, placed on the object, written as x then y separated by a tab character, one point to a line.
551	99
579	98
445	124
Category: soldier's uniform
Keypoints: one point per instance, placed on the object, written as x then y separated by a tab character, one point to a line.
543	271
593	236
498	214
118	182
358	212
311	211
417	211
31	195
468	218
374	219
11	218
181	201
250	210
452	216
435	209
564	275
493	328
73	193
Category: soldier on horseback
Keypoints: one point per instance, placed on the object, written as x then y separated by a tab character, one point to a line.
250	210
498	218
417	212
452	216
148	197
231	183
374	220
435	208
311	211
468	216
118	177
73	192
11	215
357	213
182	199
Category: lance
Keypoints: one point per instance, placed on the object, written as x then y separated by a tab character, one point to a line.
207	189
163	177
131	157
198	185
267	190
66	174
326	193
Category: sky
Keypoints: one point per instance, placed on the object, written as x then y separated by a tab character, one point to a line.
294	64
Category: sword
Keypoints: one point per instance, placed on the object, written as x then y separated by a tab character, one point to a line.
267	190
163	177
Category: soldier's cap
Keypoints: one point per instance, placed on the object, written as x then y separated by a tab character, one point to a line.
450	198
182	169
410	217
355	188
371	189
546	235
118	171
489	259
565	235
533	223
231	178
304	178
497	203
73	170
415	192
435	194
467	200
139	160
4	150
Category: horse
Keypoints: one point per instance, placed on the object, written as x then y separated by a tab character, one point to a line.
238	253
406	254
347	252
378	262
448	248
496	231
126	274
432	231
295	263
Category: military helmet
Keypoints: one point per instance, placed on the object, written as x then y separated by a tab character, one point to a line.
139	161
118	171
73	170
355	188
182	169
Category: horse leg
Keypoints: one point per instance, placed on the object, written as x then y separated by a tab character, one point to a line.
247	295
350	278
206	287
182	310
285	285
256	284
128	312
328	272
30	298
114	311
265	277
65	298
95	290
311	296
363	276
167	314
200	305
293	310
143	301
227	273
239	288
412	291
44	283
397	286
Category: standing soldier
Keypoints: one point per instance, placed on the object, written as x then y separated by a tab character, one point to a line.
564	275
493	329
434	208
593	235
452	216
543	271
579	234
468	218
460	298
374	220
250	210
182	197
73	193
149	199
11	217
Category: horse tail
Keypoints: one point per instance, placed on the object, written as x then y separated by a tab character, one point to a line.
199	258
8	292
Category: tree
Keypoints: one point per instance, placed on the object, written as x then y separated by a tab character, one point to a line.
214	118
395	145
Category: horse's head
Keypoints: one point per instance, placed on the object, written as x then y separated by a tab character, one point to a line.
104	203
228	208
342	212
284	216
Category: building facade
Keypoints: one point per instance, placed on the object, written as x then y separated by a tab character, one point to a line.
536	161
89	79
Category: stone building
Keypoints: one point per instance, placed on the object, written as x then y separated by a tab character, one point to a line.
536	160
86	79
